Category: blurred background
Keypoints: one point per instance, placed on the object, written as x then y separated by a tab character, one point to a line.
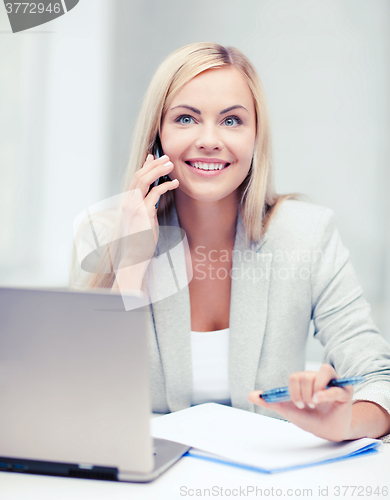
70	92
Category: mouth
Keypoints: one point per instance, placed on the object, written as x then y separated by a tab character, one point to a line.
200	165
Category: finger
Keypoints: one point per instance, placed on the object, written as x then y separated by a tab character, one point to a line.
294	387
152	162
149	178
324	375
334	394
154	195
150	158
307	387
285	409
254	397
148	166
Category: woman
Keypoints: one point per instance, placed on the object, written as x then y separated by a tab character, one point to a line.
263	265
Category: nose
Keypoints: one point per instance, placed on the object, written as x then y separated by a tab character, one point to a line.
208	139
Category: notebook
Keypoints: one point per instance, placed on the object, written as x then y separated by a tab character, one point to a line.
263	444
74	387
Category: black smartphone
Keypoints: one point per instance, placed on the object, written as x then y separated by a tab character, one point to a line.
158	152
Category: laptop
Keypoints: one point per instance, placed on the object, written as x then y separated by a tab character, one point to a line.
74	387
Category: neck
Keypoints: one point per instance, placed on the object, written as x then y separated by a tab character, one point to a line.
210	224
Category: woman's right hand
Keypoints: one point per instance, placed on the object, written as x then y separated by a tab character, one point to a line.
139	213
148	174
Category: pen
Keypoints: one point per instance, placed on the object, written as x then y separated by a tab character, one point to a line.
282	394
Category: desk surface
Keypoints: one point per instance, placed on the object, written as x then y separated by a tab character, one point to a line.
191	474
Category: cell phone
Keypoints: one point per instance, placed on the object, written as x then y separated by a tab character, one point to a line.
157	151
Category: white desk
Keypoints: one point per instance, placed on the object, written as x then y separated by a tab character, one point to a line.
192	473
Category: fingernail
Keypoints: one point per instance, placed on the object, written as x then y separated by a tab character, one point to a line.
315	398
164	157
168	164
311	405
300	405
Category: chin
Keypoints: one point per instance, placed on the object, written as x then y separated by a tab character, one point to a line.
206	197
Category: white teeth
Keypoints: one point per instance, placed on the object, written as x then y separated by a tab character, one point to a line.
208	166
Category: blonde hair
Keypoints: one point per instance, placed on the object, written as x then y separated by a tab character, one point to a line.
259	202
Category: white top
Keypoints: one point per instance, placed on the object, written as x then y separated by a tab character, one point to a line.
210	356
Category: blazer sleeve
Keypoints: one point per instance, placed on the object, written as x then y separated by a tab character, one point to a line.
342	317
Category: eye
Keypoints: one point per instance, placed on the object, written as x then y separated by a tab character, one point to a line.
184	119
230	121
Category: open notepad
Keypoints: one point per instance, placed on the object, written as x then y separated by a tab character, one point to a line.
237	437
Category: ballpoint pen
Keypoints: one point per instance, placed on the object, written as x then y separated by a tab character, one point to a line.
282	394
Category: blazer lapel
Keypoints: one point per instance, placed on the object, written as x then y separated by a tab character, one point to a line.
248	315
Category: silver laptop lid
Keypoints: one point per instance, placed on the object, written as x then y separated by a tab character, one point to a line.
74	379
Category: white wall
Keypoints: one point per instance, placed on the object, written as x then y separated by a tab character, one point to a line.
57	163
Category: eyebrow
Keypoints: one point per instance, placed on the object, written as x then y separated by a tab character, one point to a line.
197	111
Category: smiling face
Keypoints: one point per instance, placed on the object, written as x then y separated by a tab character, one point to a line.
210	124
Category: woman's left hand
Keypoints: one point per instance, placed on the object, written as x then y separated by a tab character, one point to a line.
327	413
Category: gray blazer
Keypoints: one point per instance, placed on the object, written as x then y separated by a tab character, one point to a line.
300	271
